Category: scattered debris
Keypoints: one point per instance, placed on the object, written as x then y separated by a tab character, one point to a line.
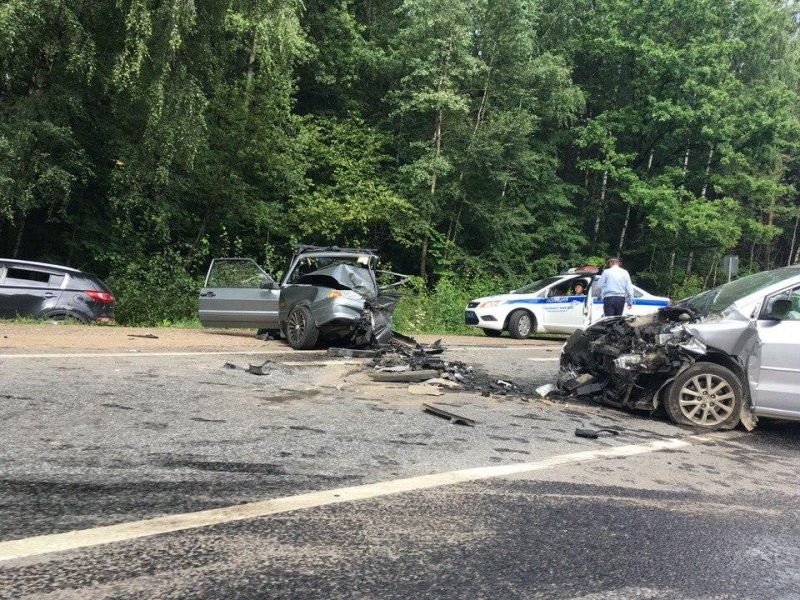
593	434
443	382
228	365
353	353
546	389
452	417
405	376
263	369
424	389
392	368
148	336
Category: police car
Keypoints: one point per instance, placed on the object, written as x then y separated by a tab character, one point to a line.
551	305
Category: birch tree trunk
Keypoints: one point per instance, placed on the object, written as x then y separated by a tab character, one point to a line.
251	62
20	233
794	237
601	205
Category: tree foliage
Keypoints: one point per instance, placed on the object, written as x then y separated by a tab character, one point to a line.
466	140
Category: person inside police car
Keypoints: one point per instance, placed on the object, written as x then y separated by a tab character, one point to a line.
615	288
580	288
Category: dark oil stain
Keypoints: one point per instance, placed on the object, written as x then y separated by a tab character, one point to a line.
227	467
112	405
406	443
304	428
154	426
531	416
202	420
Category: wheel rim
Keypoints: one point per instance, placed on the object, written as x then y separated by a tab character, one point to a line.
707	399
524	325
297	326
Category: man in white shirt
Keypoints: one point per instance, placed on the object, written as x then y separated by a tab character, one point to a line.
615	288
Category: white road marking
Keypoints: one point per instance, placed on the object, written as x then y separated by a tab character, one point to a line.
548	359
73	540
138	353
287	350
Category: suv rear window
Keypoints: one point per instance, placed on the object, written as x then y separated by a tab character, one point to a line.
32	278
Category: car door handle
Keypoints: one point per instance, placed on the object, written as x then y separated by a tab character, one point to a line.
49	295
208	294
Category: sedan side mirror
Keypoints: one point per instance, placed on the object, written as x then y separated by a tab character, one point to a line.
268	284
778	308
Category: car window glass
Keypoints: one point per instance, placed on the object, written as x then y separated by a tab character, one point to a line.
566	288
793	296
236	274
27	277
309	264
536	285
55	280
716	300
637	293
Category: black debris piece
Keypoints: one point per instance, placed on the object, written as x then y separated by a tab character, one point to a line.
452	417
148	336
353	353
590	389
263	369
593	434
228	365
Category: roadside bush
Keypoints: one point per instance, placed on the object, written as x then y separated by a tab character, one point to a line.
157	290
442	309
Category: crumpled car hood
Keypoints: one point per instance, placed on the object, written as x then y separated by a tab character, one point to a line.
344	277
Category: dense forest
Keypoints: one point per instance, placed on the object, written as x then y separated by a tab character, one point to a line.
474	143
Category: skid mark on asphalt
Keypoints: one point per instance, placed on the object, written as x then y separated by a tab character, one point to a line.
47	544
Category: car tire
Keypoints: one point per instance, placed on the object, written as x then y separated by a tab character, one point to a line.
493	332
301	331
521	324
705	395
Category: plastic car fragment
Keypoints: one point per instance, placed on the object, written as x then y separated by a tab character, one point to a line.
452	417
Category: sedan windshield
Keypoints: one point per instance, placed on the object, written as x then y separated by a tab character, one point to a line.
716	300
536	285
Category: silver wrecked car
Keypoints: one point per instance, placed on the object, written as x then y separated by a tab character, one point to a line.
325	292
724	356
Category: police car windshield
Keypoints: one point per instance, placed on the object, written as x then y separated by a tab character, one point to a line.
536	285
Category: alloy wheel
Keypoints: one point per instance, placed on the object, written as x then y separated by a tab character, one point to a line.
297	326
707	399
524	325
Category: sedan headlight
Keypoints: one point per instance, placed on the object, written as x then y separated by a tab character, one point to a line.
491	303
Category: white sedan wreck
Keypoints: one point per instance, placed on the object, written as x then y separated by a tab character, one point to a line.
725	356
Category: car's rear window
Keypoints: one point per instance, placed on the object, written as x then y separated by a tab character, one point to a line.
32	278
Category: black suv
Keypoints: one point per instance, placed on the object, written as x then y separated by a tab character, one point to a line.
31	289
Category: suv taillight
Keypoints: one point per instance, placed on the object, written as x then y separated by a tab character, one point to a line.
101	297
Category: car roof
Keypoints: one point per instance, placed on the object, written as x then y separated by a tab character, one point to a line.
333	250
31	263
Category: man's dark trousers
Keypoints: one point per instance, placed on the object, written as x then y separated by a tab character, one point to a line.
613	306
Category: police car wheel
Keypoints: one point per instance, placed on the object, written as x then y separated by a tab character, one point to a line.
521	324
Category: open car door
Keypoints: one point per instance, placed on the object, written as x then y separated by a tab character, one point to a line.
592	306
239	293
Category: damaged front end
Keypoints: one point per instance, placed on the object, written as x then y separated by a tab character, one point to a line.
347	302
627	361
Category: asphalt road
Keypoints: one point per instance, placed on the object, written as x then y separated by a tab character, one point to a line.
162	474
